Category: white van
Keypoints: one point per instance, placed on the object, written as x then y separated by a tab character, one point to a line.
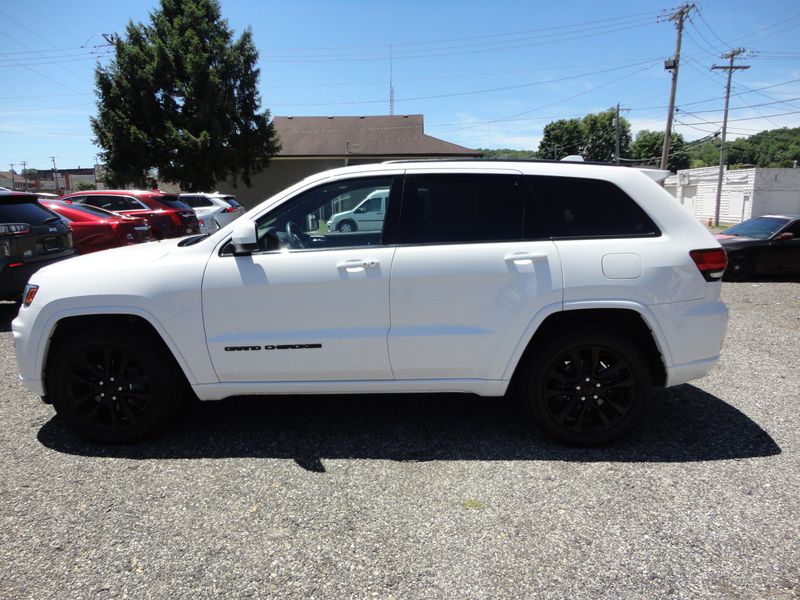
367	216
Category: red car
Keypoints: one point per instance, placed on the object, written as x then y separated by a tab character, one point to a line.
96	229
166	215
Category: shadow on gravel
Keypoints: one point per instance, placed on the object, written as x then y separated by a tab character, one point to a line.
684	424
8	312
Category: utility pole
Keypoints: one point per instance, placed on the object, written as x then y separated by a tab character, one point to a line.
723	149
25	173
679	17
13	183
55	174
616	124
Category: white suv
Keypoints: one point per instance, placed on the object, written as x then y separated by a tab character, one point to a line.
577	287
213	211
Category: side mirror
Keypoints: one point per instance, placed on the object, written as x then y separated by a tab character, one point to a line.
785	236
244	237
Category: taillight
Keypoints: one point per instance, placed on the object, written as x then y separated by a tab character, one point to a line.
711	262
230	209
176	218
14	228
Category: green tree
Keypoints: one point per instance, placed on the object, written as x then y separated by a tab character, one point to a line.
507	153
649	145
180	97
600	136
594	137
561	138
83	186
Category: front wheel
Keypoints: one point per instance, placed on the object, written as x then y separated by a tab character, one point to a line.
586	388
113	386
347	227
740	268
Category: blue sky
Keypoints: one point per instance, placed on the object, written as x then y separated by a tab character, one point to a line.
483	74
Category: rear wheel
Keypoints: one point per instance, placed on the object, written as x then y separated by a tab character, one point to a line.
586	387
114	386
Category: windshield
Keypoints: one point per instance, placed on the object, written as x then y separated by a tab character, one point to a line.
86	209
760	228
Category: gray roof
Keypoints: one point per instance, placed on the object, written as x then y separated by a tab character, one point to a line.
390	136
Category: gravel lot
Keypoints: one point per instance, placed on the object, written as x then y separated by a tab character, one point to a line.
421	497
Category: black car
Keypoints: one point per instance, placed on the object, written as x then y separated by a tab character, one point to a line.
766	244
31	236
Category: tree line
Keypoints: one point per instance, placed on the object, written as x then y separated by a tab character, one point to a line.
594	138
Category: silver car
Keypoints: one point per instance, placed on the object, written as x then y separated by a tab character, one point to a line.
213	210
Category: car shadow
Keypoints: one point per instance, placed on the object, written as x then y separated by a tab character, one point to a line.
8	312
684	424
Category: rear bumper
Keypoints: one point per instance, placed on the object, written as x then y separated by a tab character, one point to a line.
14	279
693	333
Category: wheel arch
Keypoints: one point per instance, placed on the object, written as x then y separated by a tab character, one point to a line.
65	325
628	321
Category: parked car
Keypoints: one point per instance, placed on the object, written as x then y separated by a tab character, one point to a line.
366	216
766	244
31	236
165	214
213	210
96	229
577	287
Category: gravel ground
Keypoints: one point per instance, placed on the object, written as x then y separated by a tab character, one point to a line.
421	496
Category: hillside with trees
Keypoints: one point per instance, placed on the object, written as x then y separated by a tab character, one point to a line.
773	148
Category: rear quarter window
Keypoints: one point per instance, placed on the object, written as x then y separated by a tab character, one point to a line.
586	208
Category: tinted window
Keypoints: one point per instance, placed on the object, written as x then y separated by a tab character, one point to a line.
113	203
25	212
462	208
232	201
794	228
576	207
196	201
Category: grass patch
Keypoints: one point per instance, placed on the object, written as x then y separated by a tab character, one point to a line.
472	504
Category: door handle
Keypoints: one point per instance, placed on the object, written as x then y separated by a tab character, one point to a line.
519	258
355	265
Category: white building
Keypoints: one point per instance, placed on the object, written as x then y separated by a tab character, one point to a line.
745	192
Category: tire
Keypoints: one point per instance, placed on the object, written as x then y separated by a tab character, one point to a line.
740	268
586	387
114	386
347	227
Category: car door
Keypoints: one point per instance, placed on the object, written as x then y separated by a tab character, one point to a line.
782	255
369	216
308	305
466	283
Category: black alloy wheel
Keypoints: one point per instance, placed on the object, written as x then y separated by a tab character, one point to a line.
113	388
587	389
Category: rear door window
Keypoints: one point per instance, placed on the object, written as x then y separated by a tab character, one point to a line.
452	209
